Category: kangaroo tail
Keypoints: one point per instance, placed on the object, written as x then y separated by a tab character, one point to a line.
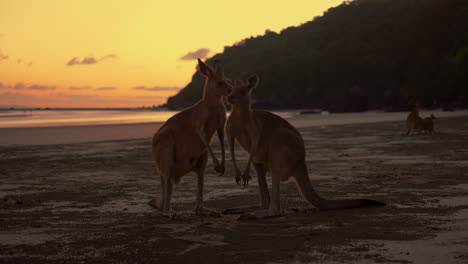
308	192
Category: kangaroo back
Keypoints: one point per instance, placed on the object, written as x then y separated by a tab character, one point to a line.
308	192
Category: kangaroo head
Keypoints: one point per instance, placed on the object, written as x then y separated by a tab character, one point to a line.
216	83
240	94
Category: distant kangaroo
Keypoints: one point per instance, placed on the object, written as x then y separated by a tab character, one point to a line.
428	124
274	145
182	144
414	121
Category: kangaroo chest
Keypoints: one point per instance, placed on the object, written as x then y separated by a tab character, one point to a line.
213	123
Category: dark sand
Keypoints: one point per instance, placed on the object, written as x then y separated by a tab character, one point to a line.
87	203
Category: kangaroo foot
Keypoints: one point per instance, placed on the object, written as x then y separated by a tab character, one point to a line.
242	209
304	209
207	212
260	214
155	203
171	214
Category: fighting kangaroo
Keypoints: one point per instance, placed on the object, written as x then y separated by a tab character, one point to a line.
274	145
182	144
429	124
414	121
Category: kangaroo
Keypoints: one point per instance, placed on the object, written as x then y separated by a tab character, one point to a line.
414	121
274	145
182	144
429	124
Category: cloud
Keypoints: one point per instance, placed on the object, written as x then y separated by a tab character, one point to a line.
41	87
9	95
200	53
157	88
74	88
54	99
20	86
89	60
104	100
76	60
105	88
21	61
3	56
109	56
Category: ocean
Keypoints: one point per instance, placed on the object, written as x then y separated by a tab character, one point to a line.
54	118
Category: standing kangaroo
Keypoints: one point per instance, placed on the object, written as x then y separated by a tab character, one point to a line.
428	123
414	121
274	145
182	144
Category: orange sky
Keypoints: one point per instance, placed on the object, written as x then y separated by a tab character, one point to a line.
123	53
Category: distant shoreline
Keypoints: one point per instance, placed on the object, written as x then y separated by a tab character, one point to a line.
126	131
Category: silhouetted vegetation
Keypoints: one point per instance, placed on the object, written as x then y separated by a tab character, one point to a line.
362	54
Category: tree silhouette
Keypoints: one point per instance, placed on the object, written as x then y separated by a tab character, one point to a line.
362	54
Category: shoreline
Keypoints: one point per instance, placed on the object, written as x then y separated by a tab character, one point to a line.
51	135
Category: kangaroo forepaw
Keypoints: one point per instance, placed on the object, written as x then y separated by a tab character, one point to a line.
246	178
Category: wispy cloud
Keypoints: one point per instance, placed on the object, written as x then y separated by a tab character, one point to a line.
106	88
54	99
20	86
11	96
89	60
157	88
74	88
200	53
3	56
109	56
21	61
41	87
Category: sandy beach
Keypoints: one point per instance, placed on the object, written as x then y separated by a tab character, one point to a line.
73	201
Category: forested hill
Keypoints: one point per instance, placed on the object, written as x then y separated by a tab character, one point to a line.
362	54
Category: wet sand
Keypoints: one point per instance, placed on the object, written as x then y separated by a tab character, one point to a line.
87	203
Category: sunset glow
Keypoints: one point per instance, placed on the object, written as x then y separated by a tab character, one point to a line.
123	53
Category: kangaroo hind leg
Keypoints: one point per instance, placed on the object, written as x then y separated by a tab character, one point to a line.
274	209
163	155
200	168
156	202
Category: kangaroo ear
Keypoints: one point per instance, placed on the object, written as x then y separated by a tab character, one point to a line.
218	67
252	81
204	69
